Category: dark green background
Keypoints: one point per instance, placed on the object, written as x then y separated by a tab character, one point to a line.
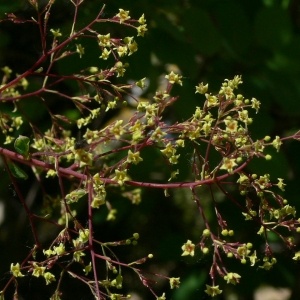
209	41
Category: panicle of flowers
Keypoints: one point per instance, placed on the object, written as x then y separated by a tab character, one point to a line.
103	161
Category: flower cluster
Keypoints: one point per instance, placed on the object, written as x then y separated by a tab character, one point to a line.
91	171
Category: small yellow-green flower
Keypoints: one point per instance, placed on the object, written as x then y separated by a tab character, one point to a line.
255	104
79	50
104	40
7	71
49	277
227	91
120	70
169	150
121	176
84	158
173	175
277	143
253	259
142	29
111	215
56	33
49	252
105	54
141	83
37	270
142	19
122	50
111	105
123	15
212	290
201	88
160	96
133	47
134	157
263	181
60	249
51	173
17	122
243	250
188	249
15	269
162	297
84	235
95	113
157	135
280	184
75	195
87	269
97	202
243	115
297	256
174	282
180	143
232	278
231	125
77	255
268	264
174	159
8	139
174	78
228	164
212	100
24	83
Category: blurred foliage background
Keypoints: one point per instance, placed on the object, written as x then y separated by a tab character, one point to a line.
208	41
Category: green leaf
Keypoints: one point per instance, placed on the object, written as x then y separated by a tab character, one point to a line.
16	171
22	146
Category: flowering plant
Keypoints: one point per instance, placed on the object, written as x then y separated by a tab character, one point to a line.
87	171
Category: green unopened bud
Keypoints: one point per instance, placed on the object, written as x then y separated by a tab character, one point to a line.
239	159
205	250
224	232
249	245
206	232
